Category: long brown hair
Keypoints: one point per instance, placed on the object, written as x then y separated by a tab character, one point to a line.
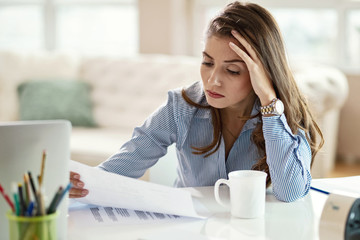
261	31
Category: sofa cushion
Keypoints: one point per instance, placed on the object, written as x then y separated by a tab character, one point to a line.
16	66
56	99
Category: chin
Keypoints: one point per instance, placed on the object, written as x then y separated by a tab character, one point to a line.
215	103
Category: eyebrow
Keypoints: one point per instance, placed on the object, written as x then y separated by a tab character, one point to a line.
227	61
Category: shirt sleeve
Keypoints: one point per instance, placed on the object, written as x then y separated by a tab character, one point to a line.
288	158
149	142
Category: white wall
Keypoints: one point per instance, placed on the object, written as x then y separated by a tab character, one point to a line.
349	128
165	26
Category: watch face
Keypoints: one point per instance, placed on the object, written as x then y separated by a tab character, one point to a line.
279	107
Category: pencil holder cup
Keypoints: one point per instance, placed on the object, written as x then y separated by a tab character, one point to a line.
37	227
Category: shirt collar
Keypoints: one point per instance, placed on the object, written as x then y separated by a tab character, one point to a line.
250	124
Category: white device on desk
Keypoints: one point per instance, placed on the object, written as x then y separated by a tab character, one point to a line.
21	147
340	218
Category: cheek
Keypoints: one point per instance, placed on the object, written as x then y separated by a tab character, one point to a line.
244	85
204	73
246	82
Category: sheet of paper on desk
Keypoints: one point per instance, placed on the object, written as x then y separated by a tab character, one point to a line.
343	184
91	215
109	189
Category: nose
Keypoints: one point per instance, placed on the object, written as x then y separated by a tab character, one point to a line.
215	78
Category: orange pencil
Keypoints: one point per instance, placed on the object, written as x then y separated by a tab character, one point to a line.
27	189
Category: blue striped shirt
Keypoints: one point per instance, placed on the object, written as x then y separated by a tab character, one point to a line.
177	122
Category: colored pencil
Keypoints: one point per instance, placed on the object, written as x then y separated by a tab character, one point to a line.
41	178
21	200
14	191
62	195
27	189
53	204
7	199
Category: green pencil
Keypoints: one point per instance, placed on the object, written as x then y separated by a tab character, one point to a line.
52	207
16	198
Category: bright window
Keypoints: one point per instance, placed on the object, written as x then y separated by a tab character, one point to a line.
309	33
21	27
353	38
326	31
110	30
88	27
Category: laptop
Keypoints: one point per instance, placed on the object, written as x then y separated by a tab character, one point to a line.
21	147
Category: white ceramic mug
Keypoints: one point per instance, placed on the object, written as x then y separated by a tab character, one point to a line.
247	193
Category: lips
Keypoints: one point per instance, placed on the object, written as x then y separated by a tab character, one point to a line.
214	94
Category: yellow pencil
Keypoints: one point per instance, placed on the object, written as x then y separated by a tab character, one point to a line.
42	168
27	189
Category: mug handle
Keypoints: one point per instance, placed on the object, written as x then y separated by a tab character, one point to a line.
216	191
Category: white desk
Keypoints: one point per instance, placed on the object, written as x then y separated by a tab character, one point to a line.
297	220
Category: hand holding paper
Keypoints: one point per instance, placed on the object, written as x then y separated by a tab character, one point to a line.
109	189
77	190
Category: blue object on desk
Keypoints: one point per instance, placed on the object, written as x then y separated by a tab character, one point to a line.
319	190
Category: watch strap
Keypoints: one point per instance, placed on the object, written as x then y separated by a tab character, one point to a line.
269	109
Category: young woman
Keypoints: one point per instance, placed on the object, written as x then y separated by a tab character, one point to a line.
246	114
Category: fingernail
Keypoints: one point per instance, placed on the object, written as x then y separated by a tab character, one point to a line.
77	176
234	32
84	192
80	184
232	44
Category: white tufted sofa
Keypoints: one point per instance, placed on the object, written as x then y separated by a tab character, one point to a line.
126	90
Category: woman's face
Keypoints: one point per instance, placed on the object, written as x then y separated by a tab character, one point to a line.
224	74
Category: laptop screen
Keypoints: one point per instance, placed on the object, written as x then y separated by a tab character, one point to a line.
21	147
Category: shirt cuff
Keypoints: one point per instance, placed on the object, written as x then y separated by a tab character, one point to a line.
276	127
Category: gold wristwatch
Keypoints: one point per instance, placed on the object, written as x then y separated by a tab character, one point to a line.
276	107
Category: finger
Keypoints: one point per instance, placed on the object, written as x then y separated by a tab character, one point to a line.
74	175
248	60
246	45
77	183
78	192
75	179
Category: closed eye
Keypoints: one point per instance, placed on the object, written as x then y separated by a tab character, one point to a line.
233	72
208	64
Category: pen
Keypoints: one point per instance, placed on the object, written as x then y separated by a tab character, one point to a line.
52	207
7	199
32	184
319	190
21	200
30	208
62	195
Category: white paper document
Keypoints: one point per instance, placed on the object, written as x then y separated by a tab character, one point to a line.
91	215
349	185
112	190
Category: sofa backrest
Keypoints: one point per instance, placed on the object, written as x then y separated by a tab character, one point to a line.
325	87
126	90
16	68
